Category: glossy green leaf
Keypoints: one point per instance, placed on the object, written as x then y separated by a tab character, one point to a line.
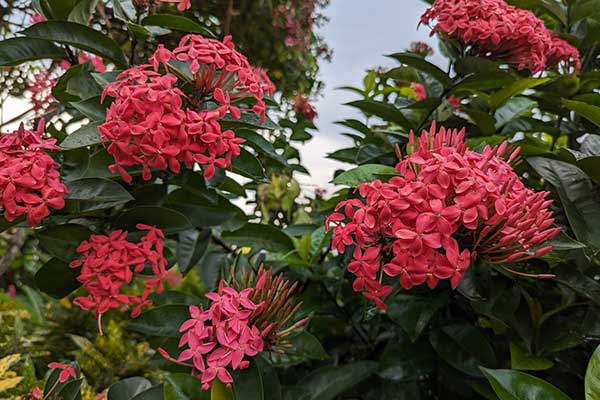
587	111
258	382
577	281
97	194
304	346
57	279
154	393
407	361
502	96
170	221
87	135
248	120
514	385
184	387
128	388
576	192
246	164
61	241
161	321
464	347
386	111
92	108
592	377
521	360
79	36
260	237
191	246
328	382
512	109
364	173
177	22
423	65
82	11
413	313
15	51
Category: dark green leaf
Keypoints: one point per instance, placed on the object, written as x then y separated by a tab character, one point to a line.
592	377
258	382
407	361
423	65
589	112
57	279
386	111
174	297
520	359
514	108
502	96
514	385
97	194
15	51
578	282
161	321
170	221
413	313
154	393
246	164
61	241
364	173
304	347
82	11
248	120
87	135
184	387
92	108
128	388
177	22
79	36
260	237
191	246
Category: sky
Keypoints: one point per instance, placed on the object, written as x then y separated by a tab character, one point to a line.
360	33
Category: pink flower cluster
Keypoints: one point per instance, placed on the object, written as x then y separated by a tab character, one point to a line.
29	178
419	89
152	123
40	90
108	265
303	107
494	29
66	371
450	206
297	18
220	337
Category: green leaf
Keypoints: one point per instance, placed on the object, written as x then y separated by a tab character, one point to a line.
87	135
184	387
520	359
61	241
576	192
248	120
211	266
514	385
79	36
423	65
170	221
57	279
246	164
364	173
191	247
161	321
82	11
218	391
76	84
587	111
97	194
580	283
92	108
383	110
514	108
502	96
592	377
15	51
260	237
174	297
303	347
128	388
413	313
203	213
464	347
407	361
327	382
258	382
154	393
177	22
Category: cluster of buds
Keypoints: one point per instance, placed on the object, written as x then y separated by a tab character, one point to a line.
303	107
29	178
450	206
108	265
154	124
421	49
496	30
251	315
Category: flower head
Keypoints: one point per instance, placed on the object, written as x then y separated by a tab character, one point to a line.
303	107
108	265
449	206
29	178
494	29
66	371
419	89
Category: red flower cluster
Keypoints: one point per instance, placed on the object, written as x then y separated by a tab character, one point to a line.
97	62
29	178
108	264
450	206
66	371
220	337
494	29
303	107
152	123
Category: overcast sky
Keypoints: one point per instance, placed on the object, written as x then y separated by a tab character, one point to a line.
360	33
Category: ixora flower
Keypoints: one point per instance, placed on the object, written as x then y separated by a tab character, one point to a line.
241	321
66	371
303	107
419	89
449	207
496	30
108	266
154	124
29	178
